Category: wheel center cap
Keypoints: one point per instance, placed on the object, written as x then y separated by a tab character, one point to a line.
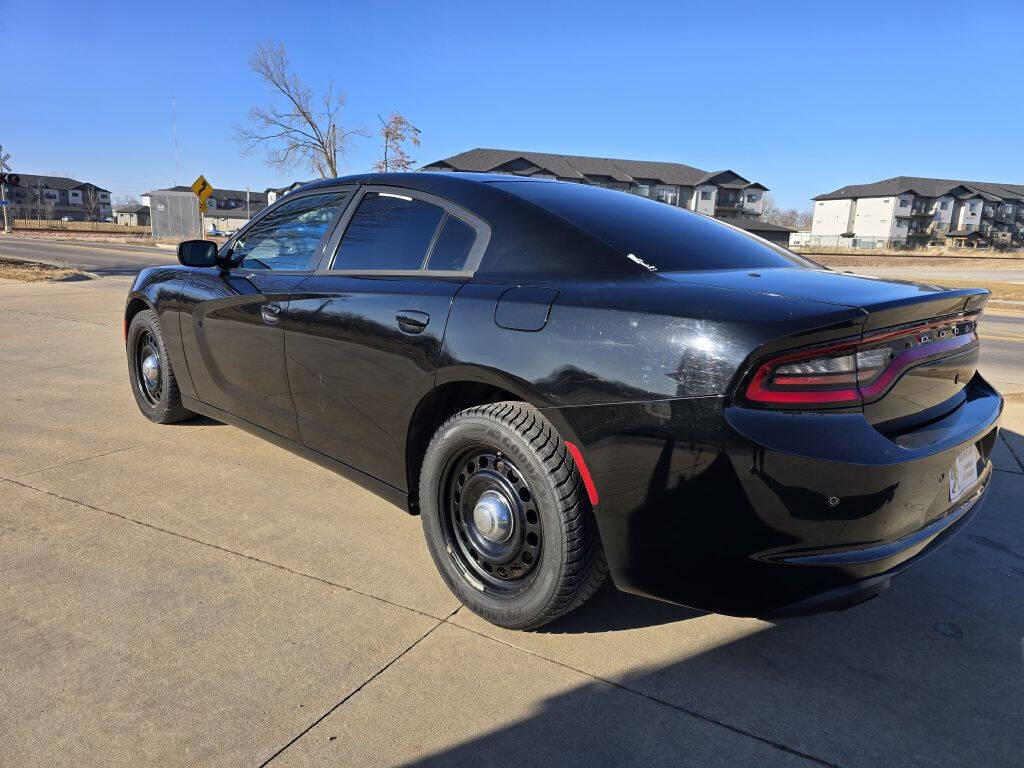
492	516
151	371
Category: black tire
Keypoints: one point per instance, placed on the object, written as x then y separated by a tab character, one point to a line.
160	402
511	449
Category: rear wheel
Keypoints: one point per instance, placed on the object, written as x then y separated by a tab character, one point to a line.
152	379
506	517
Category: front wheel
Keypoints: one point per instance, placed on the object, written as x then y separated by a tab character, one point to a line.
149	366
506	517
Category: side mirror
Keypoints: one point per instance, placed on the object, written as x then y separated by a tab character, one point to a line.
197	253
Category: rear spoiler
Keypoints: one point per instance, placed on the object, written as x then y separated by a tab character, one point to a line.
910	309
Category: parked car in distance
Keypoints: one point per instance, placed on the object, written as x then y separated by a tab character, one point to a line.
66	218
564	380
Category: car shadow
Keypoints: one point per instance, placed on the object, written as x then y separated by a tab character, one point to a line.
930	673
611	610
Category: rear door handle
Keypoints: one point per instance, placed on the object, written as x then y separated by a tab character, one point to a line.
411	321
271	313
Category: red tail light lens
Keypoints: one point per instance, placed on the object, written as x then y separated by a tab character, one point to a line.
857	371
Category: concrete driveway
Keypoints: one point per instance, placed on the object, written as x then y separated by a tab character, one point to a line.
188	595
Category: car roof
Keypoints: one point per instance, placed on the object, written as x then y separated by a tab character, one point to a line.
527	242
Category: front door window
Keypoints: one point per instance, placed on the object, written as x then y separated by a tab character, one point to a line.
288	237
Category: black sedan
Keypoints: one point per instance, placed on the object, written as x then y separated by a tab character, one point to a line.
564	380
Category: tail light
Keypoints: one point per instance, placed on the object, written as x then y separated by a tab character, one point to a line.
853	372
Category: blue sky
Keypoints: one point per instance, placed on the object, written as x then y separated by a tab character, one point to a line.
802	97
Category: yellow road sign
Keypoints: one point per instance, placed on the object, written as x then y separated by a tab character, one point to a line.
202	206
202	188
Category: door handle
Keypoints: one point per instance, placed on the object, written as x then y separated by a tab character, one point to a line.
271	313
411	321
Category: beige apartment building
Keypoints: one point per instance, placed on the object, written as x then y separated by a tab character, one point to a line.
908	211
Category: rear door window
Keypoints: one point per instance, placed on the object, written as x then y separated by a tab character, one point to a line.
388	232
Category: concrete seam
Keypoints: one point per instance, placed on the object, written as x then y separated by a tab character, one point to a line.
1013	453
356	690
57	317
218	547
66	365
194	431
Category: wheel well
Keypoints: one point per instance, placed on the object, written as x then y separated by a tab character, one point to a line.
135	306
432	411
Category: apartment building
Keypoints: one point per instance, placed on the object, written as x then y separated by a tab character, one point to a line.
908	211
724	194
58	197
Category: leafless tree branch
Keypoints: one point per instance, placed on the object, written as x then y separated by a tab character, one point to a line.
305	130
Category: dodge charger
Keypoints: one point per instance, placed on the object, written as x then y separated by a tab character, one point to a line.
566	382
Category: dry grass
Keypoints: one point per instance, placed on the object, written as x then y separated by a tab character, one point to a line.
853	261
33	272
1000	291
959	254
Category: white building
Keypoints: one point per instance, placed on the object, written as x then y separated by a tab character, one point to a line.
724	194
909	211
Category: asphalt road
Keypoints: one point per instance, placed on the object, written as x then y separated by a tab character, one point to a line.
190	595
106	259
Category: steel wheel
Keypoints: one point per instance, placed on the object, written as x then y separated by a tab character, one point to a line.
149	377
492	528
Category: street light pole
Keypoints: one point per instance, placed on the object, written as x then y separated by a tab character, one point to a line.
3	188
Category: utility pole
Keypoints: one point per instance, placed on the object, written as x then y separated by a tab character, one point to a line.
4	168
247	214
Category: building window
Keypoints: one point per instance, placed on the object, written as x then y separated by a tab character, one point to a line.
705	194
974	209
643	190
904	203
667	196
944	204
753	198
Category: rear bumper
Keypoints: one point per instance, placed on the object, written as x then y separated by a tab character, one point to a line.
909	550
760	513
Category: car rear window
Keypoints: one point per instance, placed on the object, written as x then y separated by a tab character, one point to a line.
655	235
453	245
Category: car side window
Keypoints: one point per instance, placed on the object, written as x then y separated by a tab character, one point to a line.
287	237
451	250
388	231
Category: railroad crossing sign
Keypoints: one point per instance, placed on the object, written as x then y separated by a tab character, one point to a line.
202	189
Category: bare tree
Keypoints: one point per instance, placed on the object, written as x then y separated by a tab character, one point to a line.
91	204
305	130
126	199
791	217
396	131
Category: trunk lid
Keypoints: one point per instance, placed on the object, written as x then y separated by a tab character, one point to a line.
885	301
940	365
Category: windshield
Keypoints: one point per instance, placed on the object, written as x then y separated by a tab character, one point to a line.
656	236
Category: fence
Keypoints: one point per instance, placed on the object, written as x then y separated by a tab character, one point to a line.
807	240
78	226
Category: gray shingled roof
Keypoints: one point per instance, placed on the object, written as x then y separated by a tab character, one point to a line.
131	209
54	182
756	225
928	188
576	167
255	198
